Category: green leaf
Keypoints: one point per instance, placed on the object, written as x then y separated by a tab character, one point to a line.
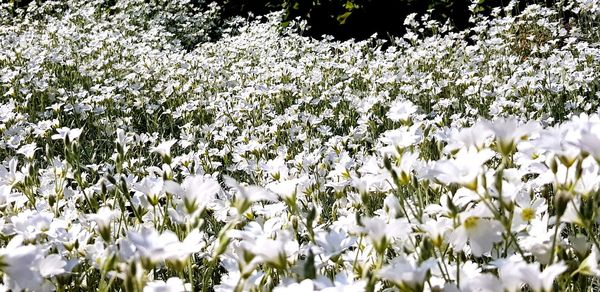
349	5
309	266
343	17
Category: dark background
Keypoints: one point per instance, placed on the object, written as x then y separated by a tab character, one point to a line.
358	19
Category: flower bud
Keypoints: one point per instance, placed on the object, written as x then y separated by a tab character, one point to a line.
562	199
578	169
553	165
387	163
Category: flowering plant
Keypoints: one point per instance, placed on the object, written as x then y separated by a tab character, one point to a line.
135	158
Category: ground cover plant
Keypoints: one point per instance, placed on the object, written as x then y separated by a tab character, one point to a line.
138	152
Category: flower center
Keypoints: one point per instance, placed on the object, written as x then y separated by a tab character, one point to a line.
471	222
528	214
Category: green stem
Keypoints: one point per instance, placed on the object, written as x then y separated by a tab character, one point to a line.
554	237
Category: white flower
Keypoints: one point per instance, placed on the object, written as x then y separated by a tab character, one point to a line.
152	187
589	266
197	191
538	239
514	272
152	245
509	132
304	286
402	137
273	251
401	110
6	195
11	176
20	265
165	246
541	281
403	271
381	232
104	216
277	168
480	282
164	148
509	272
438	229
122	140
476	136
30	224
463	169
288	188
52	265
526	210
334	242
480	232
173	284
28	150
343	281
64	132
246	195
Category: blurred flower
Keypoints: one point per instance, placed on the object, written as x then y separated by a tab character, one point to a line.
20	265
589	266
401	111
172	284
407	273
52	265
304	286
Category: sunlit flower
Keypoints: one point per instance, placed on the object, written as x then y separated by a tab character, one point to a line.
401	111
164	148
246	195
464	169
197	191
479	231
20	264
589	266
152	187
334	242
172	284
406	273
305	285
52	265
136	147
381	232
64	133
28	150
509	132
103	219
544	280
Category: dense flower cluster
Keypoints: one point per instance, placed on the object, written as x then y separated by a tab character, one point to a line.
138	154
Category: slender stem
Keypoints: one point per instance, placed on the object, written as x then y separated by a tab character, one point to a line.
357	251
554	240
458	271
